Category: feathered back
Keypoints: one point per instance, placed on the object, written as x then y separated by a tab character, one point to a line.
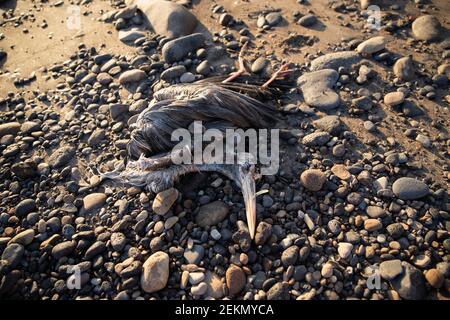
179	106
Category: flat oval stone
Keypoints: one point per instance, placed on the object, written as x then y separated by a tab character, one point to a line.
409	189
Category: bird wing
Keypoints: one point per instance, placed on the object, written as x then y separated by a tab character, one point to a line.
195	102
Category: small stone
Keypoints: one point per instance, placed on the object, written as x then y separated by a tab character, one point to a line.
273	18
25	207
395	230
317	89
313	179
307	20
155	273
95	249
63	249
62	156
215	285
435	278
10	128
118	241
394	98
211	214
409	188
196	277
259	65
289	256
427	28
132	76
194	255
372	45
13	254
345	249
390	269
187	78
24	238
411	284
93	202
235	279
375	212
327	270
317	138
424	140
263	233
225	19
404	68
372	225
164	201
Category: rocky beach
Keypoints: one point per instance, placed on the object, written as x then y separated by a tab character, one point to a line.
360	206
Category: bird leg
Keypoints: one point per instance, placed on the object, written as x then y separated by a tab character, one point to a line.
242	69
279	74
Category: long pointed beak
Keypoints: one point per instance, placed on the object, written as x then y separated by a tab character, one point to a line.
247	181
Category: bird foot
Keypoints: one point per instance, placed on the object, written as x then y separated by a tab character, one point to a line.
278	75
242	69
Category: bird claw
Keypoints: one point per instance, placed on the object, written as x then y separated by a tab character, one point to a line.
278	75
242	70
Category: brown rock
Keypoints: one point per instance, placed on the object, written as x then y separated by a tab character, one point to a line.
164	201
313	179
236	279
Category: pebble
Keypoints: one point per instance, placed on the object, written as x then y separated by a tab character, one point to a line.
194	255
61	156
273	18
435	278
131	76
372	45
313	179
391	269
24	207
336	60
427	28
63	249
13	254
173	73
372	225
263	233
259	65
394	98
375	212
409	188
235	279
404	69
164	200
345	249
155	272
199	289
317	89
93	202
307	20
24	238
211	214
177	49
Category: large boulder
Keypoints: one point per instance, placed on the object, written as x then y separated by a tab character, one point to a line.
167	18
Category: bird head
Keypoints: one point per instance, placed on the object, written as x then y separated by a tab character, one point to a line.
247	174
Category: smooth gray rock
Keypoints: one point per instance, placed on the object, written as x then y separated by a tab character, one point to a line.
173	73
177	49
409	188
335	60
317	89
